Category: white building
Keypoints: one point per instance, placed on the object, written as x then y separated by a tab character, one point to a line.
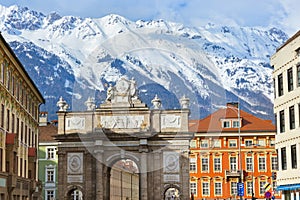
286	76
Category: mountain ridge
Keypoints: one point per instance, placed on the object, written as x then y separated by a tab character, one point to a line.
211	65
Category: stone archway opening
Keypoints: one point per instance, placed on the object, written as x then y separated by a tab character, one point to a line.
171	193
75	194
124	180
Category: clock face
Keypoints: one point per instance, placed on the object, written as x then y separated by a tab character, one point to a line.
122	86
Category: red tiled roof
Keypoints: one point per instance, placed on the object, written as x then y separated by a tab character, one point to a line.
213	122
46	133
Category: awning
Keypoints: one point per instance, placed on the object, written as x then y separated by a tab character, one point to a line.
288	187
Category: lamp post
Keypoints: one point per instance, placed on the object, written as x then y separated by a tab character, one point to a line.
240	152
252	192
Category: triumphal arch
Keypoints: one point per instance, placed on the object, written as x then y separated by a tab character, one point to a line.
123	127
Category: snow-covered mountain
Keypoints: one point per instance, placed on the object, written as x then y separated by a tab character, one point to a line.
78	57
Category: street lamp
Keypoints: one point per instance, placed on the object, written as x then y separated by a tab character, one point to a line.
240	167
240	152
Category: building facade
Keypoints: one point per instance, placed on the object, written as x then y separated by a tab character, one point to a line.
123	127
230	147
47	157
286	76
19	108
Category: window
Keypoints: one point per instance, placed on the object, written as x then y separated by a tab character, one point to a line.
217	143
193	144
248	143
298	75
292	117
249	164
2	115
204	164
193	164
272	142
262	164
290	79
205	189
297	52
281	121
233	188
76	195
50	174
51	153
249	187
193	188
294	156
226	124
218	188
261	187
261	142
280	85
232	143
50	194
274	163
283	158
217	164
233	163
235	124
204	143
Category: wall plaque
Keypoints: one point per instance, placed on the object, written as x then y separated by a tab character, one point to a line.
75	163
171	161
77	123
122	121
170	121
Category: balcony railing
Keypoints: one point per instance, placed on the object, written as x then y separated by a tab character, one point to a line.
233	173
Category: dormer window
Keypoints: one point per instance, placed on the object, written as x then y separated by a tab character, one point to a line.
235	124
226	124
231	123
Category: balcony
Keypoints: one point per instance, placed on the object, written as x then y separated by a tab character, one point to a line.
232	174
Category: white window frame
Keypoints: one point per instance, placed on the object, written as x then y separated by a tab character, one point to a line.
261	163
249	187
205	188
218	164
249	165
193	144
205	165
233	165
204	143
236	124
217	143
232	143
274	163
193	164
51	153
47	197
226	124
233	188
261	142
47	171
247	143
193	188
218	188
262	183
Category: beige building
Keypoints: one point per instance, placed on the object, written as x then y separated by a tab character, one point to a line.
286	75
19	114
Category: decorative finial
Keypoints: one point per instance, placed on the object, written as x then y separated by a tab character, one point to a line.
185	102
62	104
156	102
90	103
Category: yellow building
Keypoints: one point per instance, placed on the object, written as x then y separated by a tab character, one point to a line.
19	114
286	76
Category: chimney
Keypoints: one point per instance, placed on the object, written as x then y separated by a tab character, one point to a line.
232	104
43	118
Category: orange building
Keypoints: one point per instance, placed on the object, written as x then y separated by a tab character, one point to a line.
219	163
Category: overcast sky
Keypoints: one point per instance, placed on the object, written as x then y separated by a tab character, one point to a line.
282	14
